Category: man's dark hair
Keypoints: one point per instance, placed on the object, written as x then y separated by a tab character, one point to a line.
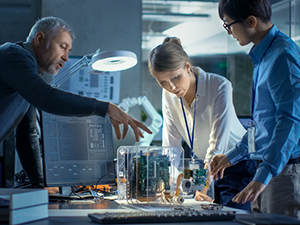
242	9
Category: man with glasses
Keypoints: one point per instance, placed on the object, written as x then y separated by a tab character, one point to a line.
274	138
227	26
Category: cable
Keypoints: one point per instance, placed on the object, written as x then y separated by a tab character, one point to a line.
73	191
88	189
108	174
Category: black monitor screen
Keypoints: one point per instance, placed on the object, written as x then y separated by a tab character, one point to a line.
77	150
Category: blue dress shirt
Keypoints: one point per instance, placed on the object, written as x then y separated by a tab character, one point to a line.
275	106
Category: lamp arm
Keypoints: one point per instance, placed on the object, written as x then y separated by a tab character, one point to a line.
128	103
84	61
153	116
155	119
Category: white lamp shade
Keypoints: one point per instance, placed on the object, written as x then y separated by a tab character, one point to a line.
113	60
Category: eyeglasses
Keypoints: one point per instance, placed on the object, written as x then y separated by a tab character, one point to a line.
227	26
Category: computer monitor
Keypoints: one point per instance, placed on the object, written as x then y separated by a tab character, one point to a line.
77	151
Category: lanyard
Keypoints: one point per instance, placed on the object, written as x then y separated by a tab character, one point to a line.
254	82
186	124
255	78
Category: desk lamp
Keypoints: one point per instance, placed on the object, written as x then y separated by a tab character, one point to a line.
100	62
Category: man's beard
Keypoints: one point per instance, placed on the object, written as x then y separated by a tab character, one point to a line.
52	69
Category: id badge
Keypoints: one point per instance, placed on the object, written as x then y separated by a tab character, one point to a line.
251	139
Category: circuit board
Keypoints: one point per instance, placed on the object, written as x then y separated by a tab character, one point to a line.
145	175
153	174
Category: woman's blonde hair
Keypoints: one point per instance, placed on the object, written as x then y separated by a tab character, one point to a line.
168	56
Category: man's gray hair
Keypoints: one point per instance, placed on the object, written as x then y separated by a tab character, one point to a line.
49	26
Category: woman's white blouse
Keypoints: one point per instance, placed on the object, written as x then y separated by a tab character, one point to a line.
217	128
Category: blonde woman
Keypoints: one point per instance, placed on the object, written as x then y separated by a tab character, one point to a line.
197	106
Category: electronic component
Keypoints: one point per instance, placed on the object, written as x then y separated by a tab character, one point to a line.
195	178
149	174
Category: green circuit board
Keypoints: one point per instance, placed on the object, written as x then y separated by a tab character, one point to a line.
151	174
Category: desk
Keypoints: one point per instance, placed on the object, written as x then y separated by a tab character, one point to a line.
75	213
87	221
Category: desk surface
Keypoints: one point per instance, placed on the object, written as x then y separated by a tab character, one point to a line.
87	221
76	213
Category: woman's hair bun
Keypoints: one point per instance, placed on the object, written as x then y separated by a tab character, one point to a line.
172	40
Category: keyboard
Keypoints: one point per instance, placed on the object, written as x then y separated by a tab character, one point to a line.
167	216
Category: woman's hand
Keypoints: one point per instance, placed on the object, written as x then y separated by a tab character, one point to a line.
218	164
201	196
